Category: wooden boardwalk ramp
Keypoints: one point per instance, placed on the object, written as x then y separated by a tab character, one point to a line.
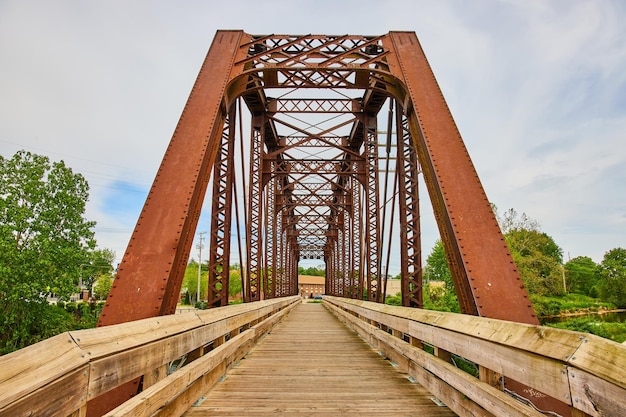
311	364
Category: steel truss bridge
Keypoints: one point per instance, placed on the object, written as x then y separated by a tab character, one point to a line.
314	147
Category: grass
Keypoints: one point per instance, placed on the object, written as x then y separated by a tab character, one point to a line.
610	330
568	304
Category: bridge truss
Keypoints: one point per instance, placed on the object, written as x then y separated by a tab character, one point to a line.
324	117
310	146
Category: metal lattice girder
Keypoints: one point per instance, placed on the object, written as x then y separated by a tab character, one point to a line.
150	274
384	66
411	252
486	279
345	80
296	105
255	212
219	239
372	227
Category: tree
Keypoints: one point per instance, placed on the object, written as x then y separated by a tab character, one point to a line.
102	286
190	281
511	220
437	266
234	281
581	275
538	259
99	262
437	297
537	256
44	238
612	271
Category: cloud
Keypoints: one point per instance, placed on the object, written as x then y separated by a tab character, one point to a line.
538	90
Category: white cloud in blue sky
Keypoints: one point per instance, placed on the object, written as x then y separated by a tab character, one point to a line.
538	90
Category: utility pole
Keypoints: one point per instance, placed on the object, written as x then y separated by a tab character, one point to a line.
201	234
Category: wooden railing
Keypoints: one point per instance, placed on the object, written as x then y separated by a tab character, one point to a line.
584	372
59	375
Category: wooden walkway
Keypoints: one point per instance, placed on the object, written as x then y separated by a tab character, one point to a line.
311	364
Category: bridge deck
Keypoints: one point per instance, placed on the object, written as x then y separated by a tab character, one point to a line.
311	364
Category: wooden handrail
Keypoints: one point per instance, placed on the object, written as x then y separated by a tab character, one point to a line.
59	375
585	372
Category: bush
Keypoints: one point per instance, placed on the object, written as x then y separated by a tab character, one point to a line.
394	300
571	303
613	331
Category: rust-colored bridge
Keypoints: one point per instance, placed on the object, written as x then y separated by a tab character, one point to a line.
314	147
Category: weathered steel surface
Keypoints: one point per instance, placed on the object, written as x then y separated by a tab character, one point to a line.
486	279
314	186
151	272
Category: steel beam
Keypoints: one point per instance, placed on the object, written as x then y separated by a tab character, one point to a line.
408	189
150	275
486	279
221	215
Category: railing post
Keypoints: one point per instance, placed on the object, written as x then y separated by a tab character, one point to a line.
151	378
442	354
490	377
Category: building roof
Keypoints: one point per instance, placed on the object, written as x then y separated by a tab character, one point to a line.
311	279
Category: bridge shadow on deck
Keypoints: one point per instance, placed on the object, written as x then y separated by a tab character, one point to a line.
311	364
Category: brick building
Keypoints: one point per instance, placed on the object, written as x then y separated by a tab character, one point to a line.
311	285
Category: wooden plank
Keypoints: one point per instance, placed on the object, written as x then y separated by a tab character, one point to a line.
481	393
60	397
543	374
550	342
36	366
167	390
601	357
104	341
309	364
122	366
100	342
596	396
175	394
534	355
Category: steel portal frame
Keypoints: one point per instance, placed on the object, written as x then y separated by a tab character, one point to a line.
314	186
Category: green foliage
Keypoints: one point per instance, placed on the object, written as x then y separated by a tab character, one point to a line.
538	259
102	287
546	306
313	271
437	266
612	271
98	263
234	282
439	298
44	239
394	300
613	331
582	276
190	281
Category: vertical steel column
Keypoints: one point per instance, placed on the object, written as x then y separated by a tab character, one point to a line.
341	241
221	215
345	292
269	264
372	228
255	211
358	241
410	241
281	291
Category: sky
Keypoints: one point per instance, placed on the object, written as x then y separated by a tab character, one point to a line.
536	87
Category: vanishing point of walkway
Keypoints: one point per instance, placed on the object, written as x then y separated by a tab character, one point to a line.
311	364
